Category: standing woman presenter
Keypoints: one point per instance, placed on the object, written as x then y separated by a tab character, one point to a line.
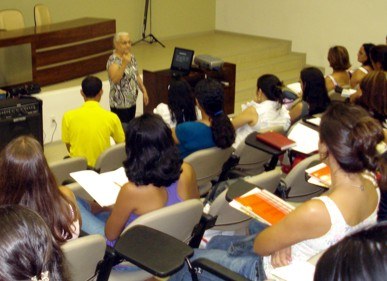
124	79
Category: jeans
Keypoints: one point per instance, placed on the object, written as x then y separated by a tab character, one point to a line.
92	223
95	224
233	252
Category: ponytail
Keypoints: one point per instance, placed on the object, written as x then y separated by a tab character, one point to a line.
271	86
209	94
223	131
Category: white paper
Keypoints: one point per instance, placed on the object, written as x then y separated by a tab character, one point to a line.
346	93
306	138
295	87
298	271
104	188
315	121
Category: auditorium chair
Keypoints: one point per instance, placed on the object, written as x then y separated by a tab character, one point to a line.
208	164
295	182
177	220
62	168
111	159
83	255
42	15
11	19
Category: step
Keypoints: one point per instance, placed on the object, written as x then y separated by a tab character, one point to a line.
274	65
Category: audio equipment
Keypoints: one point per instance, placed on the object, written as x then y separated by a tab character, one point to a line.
20	116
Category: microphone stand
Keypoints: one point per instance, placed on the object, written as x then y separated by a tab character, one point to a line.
152	38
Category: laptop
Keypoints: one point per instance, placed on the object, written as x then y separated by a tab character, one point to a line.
181	62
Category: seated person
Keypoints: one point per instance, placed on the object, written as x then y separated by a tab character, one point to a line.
26	179
27	248
358	257
363	56
86	131
374	95
348	139
157	178
264	112
338	58
315	97
181	104
214	129
378	56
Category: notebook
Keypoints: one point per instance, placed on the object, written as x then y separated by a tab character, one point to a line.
276	140
262	205
181	62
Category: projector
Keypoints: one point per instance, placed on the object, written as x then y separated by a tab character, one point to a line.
208	62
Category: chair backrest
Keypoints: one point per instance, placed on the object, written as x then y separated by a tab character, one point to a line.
208	164
252	160
62	168
177	220
300	189
42	15
111	159
11	19
83	255
232	219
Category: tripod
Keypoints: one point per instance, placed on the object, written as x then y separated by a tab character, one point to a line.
152	38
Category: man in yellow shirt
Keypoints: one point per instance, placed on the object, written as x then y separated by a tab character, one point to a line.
86	131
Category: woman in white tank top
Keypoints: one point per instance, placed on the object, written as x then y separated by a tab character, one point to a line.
348	141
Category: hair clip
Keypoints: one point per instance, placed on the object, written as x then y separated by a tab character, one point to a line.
43	277
218	112
381	147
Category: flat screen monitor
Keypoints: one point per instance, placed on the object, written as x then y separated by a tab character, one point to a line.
15	65
181	61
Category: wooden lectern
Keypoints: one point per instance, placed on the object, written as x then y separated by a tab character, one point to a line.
156	83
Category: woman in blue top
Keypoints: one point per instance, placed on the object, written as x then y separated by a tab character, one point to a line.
214	129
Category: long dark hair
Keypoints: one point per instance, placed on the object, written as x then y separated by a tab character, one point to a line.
352	136
367	49
314	90
152	156
209	94
27	247
374	94
26	179
358	257
181	102
378	54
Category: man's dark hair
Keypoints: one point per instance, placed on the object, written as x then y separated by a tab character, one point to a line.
91	86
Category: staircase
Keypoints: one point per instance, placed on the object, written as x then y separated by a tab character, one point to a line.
253	56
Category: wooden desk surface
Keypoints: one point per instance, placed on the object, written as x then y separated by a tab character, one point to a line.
12	37
65	50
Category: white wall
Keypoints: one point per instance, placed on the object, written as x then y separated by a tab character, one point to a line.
313	26
57	102
169	17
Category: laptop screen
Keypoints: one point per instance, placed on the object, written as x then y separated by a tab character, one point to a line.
182	60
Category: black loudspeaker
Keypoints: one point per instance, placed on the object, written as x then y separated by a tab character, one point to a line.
20	116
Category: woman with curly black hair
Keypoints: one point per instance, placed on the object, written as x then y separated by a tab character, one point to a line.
157	178
214	129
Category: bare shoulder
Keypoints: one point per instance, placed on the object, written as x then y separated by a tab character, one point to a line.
309	220
187	185
67	192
